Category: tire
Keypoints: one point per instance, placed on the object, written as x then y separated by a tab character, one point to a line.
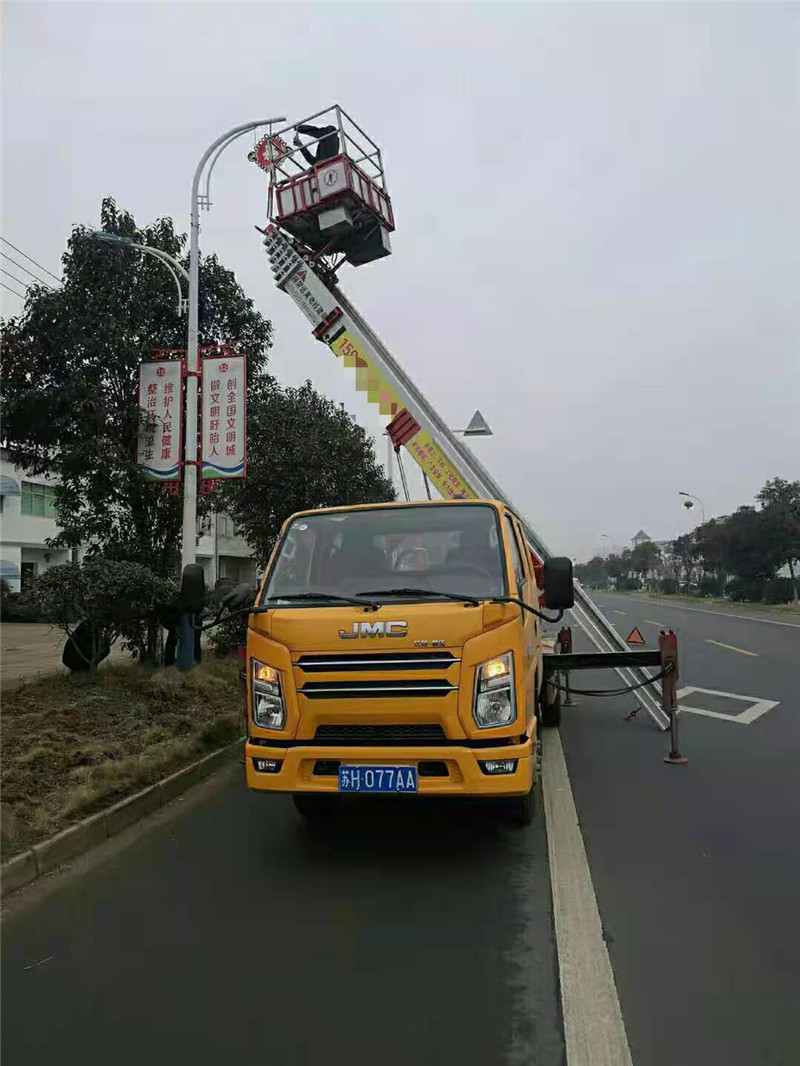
522	809
313	806
550	703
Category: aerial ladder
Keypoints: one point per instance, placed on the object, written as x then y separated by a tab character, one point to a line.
328	204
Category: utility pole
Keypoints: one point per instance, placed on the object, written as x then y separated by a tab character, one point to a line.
189	545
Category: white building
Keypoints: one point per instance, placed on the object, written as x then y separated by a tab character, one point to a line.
27	522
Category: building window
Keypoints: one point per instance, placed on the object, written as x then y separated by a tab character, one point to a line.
28	574
38	500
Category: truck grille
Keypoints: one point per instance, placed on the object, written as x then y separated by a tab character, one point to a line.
380	660
370	690
380	734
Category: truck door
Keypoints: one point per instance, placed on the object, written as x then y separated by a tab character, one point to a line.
527	592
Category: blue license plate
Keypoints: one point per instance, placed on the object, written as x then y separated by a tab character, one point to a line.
377	779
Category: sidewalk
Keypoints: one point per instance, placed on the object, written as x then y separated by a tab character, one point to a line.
30	650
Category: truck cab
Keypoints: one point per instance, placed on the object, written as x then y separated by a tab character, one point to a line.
398	648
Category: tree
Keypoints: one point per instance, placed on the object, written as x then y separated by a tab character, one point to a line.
711	541
70	380
113	599
645	557
780	501
751	548
593	573
618	567
683	556
304	452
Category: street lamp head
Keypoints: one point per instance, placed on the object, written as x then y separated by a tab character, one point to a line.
112	237
478	427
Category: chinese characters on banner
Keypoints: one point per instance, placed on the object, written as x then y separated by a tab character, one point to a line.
160	401
223	417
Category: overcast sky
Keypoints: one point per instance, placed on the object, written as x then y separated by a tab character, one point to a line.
598	216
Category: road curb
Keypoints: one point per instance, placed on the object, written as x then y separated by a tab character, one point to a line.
39	860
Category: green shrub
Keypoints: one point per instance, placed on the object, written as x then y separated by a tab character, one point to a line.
14	606
229	635
669	586
745	590
114	599
628	584
777	590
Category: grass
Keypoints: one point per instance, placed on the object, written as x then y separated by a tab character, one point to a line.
72	747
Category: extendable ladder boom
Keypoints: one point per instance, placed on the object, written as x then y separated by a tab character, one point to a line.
446	460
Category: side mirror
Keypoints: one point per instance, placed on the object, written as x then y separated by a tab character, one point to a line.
193	589
239	597
559	591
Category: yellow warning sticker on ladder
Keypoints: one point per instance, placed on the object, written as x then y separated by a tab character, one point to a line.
441	472
368	378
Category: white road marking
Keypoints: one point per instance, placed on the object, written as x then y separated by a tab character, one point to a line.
731	647
720	614
594	1030
661	625
756	707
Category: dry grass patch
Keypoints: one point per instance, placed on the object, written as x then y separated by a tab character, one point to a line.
72	747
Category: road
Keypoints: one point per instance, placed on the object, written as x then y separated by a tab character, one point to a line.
226	931
696	867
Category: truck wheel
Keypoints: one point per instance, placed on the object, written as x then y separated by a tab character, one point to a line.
314	807
522	809
550	703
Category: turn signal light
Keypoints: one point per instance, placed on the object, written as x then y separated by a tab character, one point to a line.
496	668
262	672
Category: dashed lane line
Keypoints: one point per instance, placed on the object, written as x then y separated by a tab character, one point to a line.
594	1030
719	614
731	647
652	622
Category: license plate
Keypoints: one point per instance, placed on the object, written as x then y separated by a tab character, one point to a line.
377	779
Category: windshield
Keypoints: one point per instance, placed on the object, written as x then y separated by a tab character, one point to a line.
447	549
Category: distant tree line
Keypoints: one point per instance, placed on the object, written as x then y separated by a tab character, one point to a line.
738	556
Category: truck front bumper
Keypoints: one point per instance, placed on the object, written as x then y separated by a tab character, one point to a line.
447	771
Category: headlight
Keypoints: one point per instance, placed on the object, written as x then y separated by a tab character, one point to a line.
267	698
494	702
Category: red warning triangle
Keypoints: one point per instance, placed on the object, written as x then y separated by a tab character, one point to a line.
636	637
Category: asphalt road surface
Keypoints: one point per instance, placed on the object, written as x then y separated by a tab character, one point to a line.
697	867
230	933
226	931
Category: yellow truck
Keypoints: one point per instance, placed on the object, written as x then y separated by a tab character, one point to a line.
397	648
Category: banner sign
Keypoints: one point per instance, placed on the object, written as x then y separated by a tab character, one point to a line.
158	449
442	473
223	417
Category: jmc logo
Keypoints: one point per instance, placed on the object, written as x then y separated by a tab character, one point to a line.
374	629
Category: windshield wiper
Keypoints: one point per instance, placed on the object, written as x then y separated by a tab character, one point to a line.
423	592
319	596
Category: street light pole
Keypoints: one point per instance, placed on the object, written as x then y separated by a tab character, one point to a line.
189	541
172	264
697	499
189	546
